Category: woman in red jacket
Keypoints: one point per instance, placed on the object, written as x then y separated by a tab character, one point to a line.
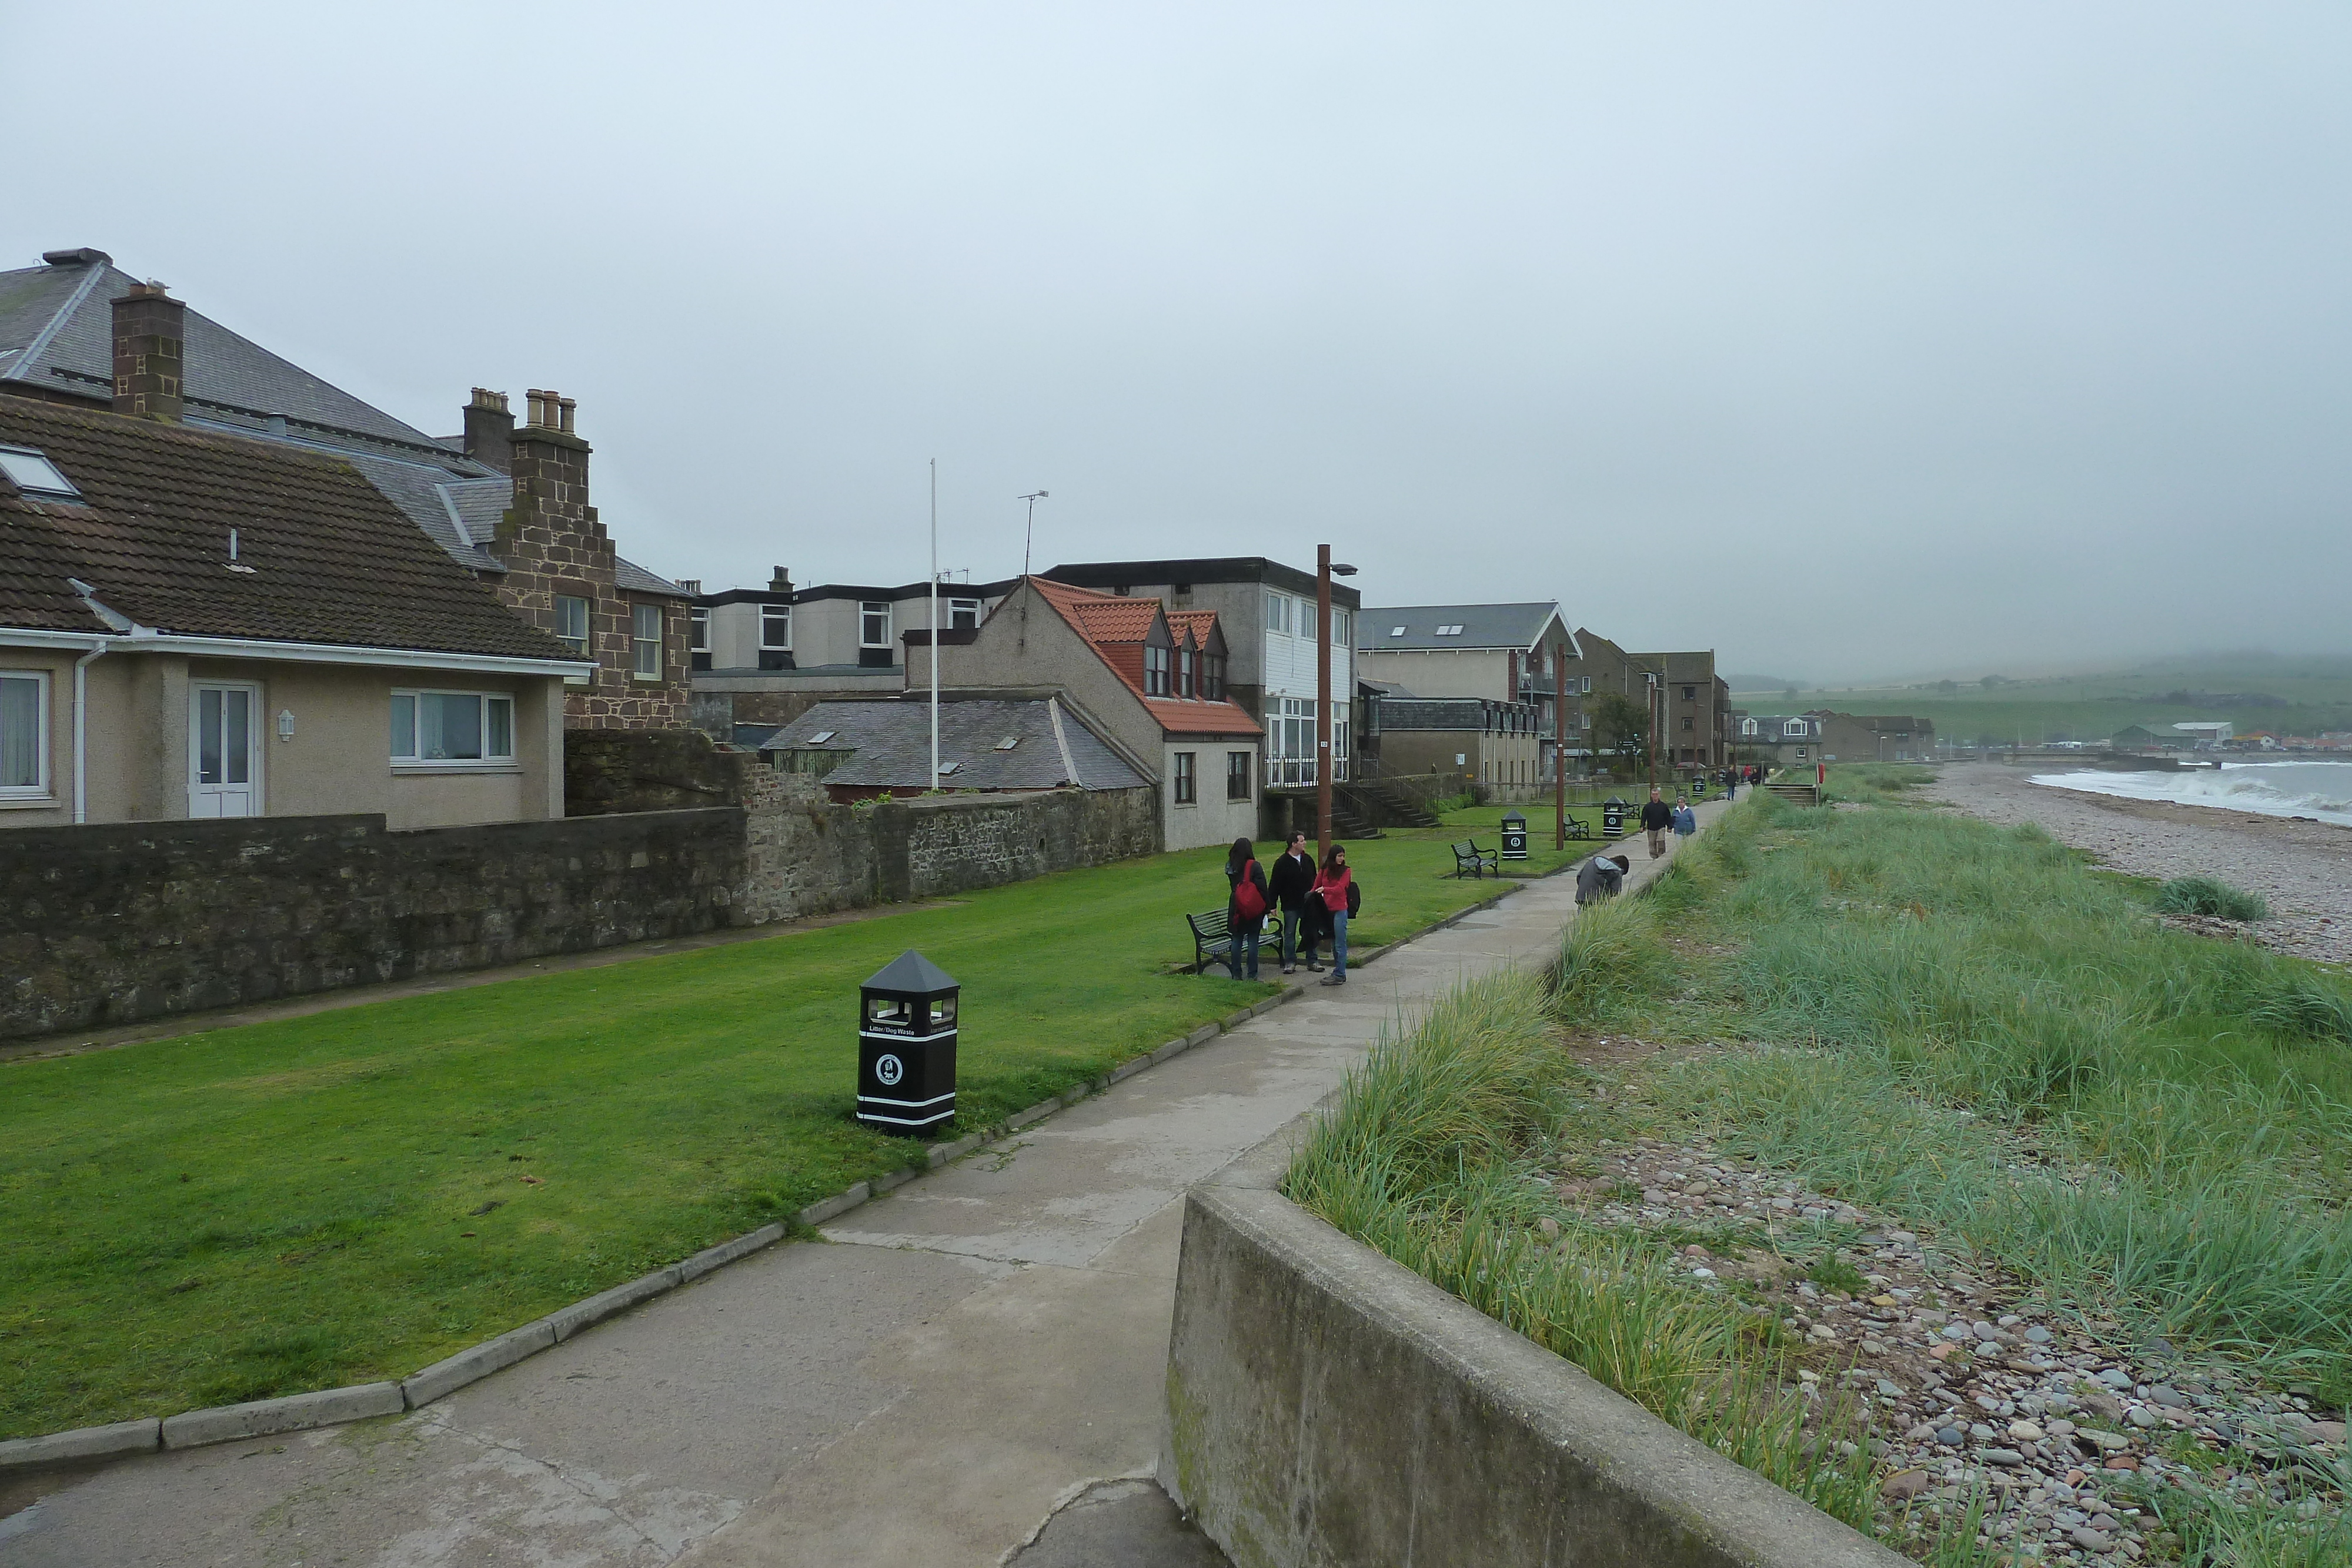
1246	907
1334	889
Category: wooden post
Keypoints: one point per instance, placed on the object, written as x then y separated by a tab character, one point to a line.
1560	749
1322	702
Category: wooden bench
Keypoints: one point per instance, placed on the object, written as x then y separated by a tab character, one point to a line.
1212	939
1469	860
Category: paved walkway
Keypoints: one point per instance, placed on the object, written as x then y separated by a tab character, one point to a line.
964	1356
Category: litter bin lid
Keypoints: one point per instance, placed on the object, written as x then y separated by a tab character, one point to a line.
911	974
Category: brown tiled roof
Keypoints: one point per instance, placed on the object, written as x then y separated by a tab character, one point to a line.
1115	627
333	560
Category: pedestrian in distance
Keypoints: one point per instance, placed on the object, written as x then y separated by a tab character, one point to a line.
1293	875
1656	818
1685	818
1337	895
1731	783
1246	907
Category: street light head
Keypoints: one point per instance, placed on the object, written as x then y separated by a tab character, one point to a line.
1338	570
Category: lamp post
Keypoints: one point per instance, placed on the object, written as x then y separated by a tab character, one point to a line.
1559	748
1324	570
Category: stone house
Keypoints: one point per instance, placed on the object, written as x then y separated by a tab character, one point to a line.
1694	709
1150	681
509	505
197	625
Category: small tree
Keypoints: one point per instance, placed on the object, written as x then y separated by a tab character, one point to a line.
1622	723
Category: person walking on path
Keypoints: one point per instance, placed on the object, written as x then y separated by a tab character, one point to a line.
1656	818
1340	896
1293	874
1685	819
1730	784
1245	906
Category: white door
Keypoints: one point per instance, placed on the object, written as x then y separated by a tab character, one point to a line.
224	751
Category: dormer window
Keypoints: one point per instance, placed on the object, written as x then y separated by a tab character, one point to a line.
34	474
1155	671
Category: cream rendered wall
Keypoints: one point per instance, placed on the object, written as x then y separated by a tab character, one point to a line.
1443	672
339	761
56	805
1215	820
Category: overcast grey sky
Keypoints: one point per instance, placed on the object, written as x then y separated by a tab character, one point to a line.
1850	339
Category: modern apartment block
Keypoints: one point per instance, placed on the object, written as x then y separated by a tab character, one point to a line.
1268	613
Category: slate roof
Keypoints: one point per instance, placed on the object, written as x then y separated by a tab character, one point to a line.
57	327
1483	626
893	745
332	559
1093	616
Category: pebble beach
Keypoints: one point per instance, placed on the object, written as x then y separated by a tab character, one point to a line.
2302	868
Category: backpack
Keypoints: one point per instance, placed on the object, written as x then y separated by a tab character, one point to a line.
1249	900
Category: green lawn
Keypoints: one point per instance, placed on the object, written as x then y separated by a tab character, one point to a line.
352	1195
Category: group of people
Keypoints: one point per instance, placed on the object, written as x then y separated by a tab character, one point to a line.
1658	819
1313	903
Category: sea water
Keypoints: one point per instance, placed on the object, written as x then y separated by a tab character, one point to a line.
2321	789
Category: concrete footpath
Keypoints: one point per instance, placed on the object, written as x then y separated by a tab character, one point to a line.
961	1359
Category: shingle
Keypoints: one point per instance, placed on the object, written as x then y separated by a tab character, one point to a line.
333	561
631	578
1483	626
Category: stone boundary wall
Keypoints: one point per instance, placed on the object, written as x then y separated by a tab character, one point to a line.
111	925
102	926
1328	1406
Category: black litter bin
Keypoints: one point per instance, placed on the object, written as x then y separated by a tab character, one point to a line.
1612	818
1515	836
907	1047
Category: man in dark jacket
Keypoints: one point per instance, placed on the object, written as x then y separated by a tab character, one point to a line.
1293	874
1656	818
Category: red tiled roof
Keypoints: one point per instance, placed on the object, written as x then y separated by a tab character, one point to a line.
1115	627
1199	623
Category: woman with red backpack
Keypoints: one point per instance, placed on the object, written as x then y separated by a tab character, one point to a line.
1246	907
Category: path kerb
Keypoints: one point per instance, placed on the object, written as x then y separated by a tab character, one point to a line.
333	1406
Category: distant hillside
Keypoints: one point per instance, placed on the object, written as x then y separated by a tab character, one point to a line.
1763	684
2284	694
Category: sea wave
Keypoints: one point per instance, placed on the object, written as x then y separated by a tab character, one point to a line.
2321	789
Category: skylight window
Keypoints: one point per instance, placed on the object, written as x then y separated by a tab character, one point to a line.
1008	743
1452	631
948	768
33	474
822	735
1396	631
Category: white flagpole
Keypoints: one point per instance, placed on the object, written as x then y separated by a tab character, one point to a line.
935	622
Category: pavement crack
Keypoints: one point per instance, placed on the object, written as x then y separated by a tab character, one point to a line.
555	1471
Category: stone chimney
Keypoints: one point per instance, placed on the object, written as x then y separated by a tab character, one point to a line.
781	582
490	430
149	328
550	465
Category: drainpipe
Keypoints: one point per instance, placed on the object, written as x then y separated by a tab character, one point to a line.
81	732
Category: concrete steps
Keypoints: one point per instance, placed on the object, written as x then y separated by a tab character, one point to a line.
1797	794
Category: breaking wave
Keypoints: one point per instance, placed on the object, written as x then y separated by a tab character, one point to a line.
2321	789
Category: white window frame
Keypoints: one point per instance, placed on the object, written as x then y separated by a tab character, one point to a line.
1277	613
698	619
1342	619
961	607
1793	729
39	792
867	609
1184	778
255	752
1588	684
586	645
1307	620
486	763
775	611
639	643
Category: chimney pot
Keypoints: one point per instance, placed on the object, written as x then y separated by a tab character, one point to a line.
691	584
567	405
539	400
781	582
150	334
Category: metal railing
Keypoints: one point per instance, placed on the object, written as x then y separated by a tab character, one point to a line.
1291	772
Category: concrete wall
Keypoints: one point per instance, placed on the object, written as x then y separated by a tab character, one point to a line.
1327	1406
339	760
1440	672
